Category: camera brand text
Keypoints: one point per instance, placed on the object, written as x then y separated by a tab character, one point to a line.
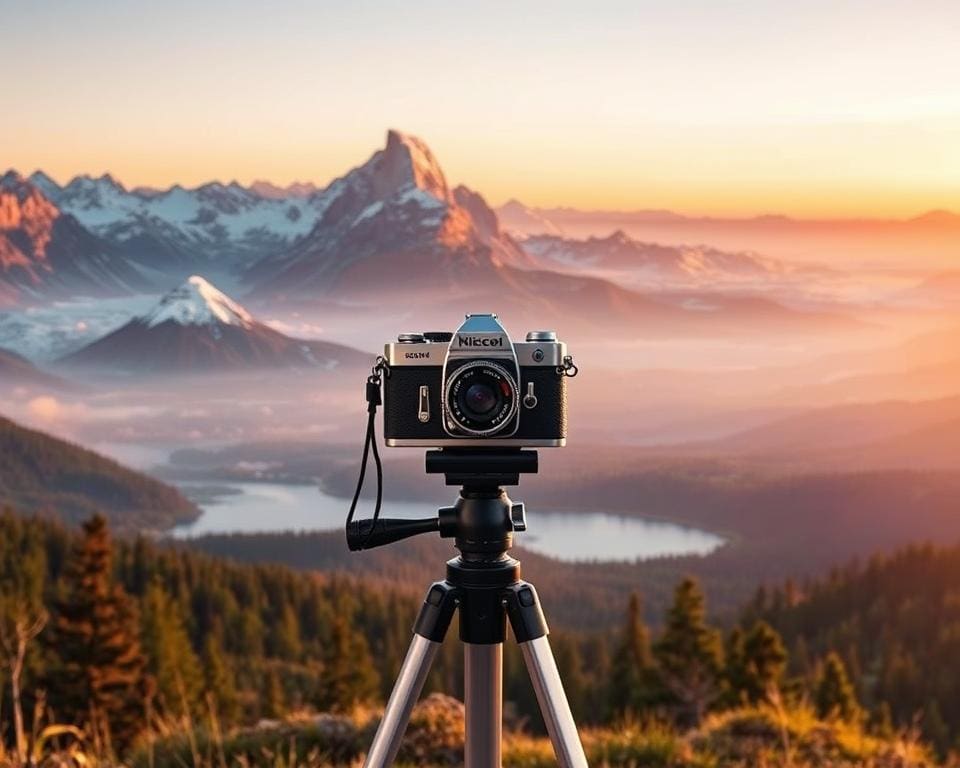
479	341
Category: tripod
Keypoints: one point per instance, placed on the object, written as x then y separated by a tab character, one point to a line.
484	583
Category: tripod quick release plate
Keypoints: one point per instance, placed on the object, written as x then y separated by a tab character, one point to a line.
481	467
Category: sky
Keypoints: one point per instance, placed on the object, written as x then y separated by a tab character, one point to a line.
729	108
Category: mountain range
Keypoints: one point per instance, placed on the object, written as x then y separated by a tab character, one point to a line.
522	220
929	239
196	328
223	226
46	252
651	263
390	232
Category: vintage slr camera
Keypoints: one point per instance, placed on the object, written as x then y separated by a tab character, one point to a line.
476	388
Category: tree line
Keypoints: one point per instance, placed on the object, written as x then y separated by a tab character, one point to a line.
120	637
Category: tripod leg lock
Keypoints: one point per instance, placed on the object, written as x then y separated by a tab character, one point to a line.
437	611
526	615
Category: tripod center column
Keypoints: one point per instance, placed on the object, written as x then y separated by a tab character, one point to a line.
483	700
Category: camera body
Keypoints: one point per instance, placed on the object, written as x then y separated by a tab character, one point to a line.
475	388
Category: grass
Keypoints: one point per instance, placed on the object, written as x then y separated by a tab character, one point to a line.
766	736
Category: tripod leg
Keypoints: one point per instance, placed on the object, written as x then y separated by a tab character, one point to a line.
483	700
553	703
431	626
530	629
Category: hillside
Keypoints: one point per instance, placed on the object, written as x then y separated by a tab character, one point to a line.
17	371
40	473
917	434
896	621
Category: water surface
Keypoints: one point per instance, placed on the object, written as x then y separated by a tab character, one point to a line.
594	535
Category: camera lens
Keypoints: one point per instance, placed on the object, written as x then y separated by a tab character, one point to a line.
481	398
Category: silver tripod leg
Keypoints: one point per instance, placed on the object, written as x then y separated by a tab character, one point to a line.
553	703
406	691
483	700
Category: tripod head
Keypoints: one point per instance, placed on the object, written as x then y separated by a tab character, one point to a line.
482	520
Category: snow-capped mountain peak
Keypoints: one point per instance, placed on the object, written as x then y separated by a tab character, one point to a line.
196	328
45	184
197	302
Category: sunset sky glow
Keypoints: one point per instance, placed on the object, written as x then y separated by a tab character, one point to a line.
815	108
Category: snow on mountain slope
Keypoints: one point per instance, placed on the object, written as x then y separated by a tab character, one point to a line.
46	253
217	225
197	328
197	302
392	222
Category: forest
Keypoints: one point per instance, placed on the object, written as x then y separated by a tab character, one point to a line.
130	640
895	621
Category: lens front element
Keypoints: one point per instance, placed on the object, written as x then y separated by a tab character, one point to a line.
481	398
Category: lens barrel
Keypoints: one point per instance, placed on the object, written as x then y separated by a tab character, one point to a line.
481	398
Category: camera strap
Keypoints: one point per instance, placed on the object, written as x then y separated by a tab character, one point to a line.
374	400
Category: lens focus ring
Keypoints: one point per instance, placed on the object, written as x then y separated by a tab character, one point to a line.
480	398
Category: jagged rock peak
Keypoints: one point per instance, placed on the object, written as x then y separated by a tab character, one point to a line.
407	160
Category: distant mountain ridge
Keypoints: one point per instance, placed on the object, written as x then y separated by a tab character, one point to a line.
618	252
17	371
197	328
916	434
524	220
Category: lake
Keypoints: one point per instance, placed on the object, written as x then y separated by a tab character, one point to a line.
593	535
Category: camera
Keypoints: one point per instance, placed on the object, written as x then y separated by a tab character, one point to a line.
475	388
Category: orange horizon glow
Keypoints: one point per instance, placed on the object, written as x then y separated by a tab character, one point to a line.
793	197
829	110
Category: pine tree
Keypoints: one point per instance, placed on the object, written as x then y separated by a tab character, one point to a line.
273	703
630	672
348	676
935	729
834	695
99	665
570	663
689	655
286	635
219	681
170	658
756	661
